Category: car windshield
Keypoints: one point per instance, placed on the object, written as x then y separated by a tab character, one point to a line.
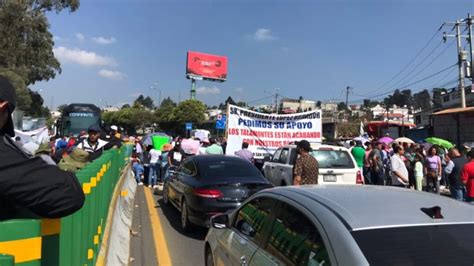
419	245
333	159
228	169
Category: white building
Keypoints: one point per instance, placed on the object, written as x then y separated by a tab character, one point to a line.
296	105
329	106
110	109
394	113
452	98
211	114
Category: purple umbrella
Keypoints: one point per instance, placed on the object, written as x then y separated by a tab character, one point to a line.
386	140
426	146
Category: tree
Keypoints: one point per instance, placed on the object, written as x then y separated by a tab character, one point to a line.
341	106
369	104
438	97
36	109
318	104
26	45
125	106
190	111
400	98
241	104
165	113
61	107
146	102
129	118
422	100
168	101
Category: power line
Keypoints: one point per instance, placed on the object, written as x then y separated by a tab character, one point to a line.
261	99
406	85
431	62
404	78
409	63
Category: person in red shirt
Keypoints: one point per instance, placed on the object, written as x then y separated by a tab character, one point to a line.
467	177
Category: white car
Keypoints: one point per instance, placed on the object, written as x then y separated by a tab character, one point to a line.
336	165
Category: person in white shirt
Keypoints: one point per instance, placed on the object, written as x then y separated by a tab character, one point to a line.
154	167
399	170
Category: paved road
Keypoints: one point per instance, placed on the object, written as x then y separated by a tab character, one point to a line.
156	230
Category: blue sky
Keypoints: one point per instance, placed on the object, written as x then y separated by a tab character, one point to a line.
113	50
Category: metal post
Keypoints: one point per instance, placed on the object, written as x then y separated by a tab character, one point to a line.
403	124
193	89
159	99
460	65
347	96
469	24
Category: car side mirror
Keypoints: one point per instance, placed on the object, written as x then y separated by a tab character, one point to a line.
220	221
267	158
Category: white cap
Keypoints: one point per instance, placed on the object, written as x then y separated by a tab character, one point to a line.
114	127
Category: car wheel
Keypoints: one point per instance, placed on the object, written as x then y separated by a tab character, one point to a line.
209	258
185	223
166	200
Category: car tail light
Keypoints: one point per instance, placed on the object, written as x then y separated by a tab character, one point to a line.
359	178
208	193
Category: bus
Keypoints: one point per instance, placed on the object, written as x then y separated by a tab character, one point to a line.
76	117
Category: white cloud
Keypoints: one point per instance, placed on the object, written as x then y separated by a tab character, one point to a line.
80	37
239	90
207	90
111	74
82	57
57	38
263	35
103	40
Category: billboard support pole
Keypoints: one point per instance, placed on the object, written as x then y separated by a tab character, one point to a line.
193	89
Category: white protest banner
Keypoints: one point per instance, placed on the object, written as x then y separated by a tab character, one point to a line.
266	132
38	136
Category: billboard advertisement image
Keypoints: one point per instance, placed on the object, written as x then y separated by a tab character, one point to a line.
206	66
267	132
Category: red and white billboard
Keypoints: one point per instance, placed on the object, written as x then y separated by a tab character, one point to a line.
206	66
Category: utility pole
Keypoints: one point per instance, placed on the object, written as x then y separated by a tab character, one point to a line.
469	25
348	88
346	115
276	101
461	56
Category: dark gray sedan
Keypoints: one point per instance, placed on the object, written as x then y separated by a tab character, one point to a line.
343	225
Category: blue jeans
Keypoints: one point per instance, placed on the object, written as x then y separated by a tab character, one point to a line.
138	170
152	174
458	192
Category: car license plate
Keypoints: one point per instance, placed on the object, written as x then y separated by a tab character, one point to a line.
329	178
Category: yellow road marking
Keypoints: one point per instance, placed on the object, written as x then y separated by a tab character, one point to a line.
161	247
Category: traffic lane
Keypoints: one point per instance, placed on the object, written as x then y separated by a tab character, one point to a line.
185	248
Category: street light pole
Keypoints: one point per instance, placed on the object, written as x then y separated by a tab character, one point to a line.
155	87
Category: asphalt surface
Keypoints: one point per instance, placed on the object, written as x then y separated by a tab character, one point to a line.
183	248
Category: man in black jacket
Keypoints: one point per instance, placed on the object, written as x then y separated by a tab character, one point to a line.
29	186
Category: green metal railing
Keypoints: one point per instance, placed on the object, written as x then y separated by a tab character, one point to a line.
73	240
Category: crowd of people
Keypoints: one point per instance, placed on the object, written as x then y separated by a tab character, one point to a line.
150	163
430	168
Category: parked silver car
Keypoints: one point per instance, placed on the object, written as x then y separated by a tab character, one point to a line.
343	225
336	165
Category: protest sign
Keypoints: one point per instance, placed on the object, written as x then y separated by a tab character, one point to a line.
267	132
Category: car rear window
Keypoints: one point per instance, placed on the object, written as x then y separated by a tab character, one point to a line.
231	169
419	245
333	159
